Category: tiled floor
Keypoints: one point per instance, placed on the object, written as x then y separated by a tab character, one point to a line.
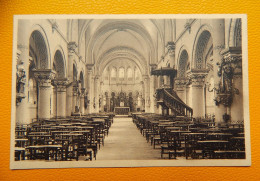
125	142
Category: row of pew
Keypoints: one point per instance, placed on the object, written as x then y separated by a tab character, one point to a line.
63	139
190	138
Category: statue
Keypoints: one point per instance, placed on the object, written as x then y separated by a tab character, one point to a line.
225	71
20	82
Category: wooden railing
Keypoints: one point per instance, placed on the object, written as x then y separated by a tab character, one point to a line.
168	98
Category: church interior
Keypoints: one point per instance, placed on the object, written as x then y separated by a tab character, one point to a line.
128	89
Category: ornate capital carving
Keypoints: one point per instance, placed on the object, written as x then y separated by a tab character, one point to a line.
181	82
72	47
90	67
233	57
197	77
44	76
153	66
171	48
61	84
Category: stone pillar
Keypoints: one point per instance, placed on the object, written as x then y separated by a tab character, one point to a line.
197	84
54	102
171	54
44	78
153	86
108	102
71	57
61	97
218	45
152	91
96	93
188	94
75	97
82	99
22	74
180	87
147	93
89	88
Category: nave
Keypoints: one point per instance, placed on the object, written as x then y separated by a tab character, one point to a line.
126	143
140	137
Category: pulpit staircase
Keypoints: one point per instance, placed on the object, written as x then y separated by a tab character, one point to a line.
168	98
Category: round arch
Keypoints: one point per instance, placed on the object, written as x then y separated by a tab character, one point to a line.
122	52
182	63
59	62
234	36
41	34
204	28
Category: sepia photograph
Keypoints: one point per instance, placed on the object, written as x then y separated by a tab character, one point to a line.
129	91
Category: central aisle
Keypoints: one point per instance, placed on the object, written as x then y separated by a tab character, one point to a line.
125	142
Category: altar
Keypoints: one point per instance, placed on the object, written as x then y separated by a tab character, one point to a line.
122	110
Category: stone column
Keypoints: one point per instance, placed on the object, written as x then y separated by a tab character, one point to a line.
108	102
180	87
82	98
54	102
75	97
218	45
146	93
22	74
152	90
96	93
198	80
44	78
61	85
71	57
171	53
89	88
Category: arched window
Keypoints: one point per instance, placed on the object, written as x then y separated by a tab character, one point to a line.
129	74
183	64
113	73
121	73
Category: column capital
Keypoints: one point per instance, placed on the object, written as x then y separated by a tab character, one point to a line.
171	48
72	46
232	56
61	84
197	77
181	82
44	76
153	66
90	67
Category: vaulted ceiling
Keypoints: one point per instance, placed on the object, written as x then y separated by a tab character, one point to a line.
142	41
